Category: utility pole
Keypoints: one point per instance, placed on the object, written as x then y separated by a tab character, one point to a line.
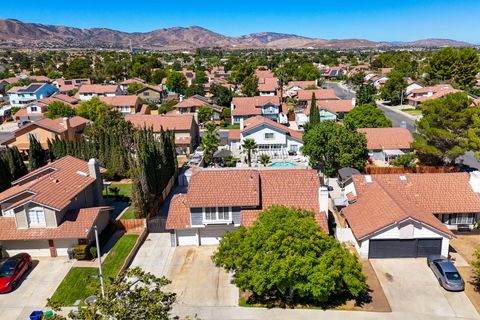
100	273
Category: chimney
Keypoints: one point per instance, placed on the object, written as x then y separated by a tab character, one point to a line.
94	172
475	181
241	124
323	199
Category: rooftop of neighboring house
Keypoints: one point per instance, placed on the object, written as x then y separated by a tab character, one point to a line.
335	106
40	78
320	94
385	71
301	84
433	89
257	189
53	185
267	84
158	88
387	138
76	224
386	199
97	88
133	80
194	101
175	122
189	74
251	105
29	89
256	121
11	80
264	74
120	101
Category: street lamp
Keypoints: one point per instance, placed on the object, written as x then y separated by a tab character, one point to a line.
100	273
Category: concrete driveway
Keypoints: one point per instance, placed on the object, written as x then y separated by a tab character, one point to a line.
410	286
155	254
196	280
32	292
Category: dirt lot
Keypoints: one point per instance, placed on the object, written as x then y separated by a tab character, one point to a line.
465	244
378	301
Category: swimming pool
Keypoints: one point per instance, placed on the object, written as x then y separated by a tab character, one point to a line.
283	164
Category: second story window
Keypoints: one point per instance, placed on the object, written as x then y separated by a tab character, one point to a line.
36	217
269	135
217	214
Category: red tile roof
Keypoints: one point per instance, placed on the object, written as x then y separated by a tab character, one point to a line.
122	101
245	106
264	74
98	88
174	122
76	224
256	121
267	84
301	84
194	101
178	213
234	134
387	138
320	94
389	199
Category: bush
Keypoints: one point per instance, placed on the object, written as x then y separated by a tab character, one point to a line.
110	175
81	252
93	251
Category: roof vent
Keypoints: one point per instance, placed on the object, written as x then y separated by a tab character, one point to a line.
403	178
83	174
368	179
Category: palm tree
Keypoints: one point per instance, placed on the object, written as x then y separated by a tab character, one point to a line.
209	144
264	159
249	146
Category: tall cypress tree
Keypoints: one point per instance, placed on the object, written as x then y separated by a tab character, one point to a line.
5	176
36	154
314	112
15	162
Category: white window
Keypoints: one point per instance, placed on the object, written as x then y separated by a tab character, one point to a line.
460	218
36	217
210	214
8	213
217	214
268	135
223	213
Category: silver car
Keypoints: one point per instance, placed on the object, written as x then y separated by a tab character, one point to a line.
446	273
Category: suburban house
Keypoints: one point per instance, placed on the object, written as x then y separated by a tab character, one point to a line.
183	126
409	215
332	73
89	91
292	88
52	209
20	96
4	83
385	144
418	96
69	85
272	138
263	72
34	111
45	129
193	103
189	75
220	200
125	84
267	86
154	94
330	110
412	85
124	104
304	96
246	107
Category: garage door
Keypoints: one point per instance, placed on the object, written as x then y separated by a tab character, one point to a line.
211	235
411	248
36	248
187	237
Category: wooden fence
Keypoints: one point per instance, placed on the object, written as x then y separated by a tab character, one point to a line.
132	225
417	169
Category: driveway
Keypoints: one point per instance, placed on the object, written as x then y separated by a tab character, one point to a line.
410	286
38	285
196	280
155	254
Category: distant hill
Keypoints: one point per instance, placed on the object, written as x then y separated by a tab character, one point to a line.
15	33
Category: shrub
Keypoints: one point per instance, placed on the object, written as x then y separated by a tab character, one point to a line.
110	175
81	252
115	190
93	251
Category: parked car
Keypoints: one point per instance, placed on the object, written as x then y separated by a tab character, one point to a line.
12	269
446	273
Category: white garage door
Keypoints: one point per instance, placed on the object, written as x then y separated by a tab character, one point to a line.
62	246
36	248
211	235
187	237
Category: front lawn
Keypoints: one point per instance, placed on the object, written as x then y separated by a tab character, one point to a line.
81	283
413	112
232	126
124	194
129	214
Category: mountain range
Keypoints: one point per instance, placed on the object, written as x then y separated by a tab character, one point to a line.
15	33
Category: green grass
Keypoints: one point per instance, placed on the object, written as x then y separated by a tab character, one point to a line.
78	284
232	126
129	214
413	112
125	189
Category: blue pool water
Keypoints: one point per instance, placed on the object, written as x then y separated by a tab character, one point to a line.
282	164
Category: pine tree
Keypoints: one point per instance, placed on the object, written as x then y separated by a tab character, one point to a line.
314	112
5	176
36	154
14	159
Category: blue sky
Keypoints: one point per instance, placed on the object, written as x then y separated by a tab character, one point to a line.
386	20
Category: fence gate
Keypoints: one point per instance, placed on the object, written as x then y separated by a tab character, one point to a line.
156	224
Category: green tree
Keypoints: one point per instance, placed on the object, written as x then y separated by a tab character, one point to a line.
36	154
209	143
167	106
134	87
59	109
195	88
249	146
365	95
250	86
78	68
332	146
93	109
158	76
220	95
449	127
467	68
314	117
441	65
358	78
5	176
264	159
307	71
366	116
54	75
285	258
140	70
176	82
241	71
205	113
405	160
15	162
394	88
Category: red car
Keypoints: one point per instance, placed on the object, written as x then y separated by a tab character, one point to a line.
12	269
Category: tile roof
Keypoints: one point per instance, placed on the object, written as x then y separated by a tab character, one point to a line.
178	213
387	138
389	199
31	88
54	185
121	101
320	94
264	74
194	101
301	84
234	134
256	121
267	84
76	224
174	122
97	88
245	106
435	88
